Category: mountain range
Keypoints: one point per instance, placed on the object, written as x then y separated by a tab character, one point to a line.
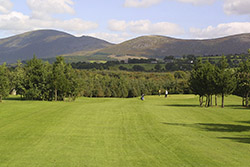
45	44
52	43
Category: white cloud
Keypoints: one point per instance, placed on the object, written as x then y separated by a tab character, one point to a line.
13	22
239	7
5	6
140	3
16	22
148	3
145	27
44	8
197	2
117	25
112	37
221	30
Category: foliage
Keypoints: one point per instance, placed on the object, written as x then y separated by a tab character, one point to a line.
243	81
208	80
4	82
130	84
225	80
18	78
38	80
138	68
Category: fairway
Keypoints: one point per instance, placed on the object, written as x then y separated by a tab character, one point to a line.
124	132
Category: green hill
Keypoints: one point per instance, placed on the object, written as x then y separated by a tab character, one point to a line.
45	44
48	44
161	46
172	132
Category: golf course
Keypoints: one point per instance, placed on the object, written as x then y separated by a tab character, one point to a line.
117	132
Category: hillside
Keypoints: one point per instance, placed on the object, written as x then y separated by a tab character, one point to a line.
45	44
160	46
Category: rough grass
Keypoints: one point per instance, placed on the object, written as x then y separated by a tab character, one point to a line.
124	132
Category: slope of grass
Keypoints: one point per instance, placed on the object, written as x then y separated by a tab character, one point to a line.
124	132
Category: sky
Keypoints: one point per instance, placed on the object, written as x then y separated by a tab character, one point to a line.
120	20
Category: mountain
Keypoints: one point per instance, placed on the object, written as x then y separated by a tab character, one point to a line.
45	44
161	46
48	44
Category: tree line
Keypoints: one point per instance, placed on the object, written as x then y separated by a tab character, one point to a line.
132	84
208	80
39	80
135	65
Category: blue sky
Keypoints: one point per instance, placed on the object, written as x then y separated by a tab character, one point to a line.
120	20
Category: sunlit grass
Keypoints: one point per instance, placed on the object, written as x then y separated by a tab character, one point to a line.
124	132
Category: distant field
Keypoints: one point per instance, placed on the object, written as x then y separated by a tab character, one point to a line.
124	132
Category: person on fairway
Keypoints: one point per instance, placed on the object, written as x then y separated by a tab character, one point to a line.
166	94
142	97
159	92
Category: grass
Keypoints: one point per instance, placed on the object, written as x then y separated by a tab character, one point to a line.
124	132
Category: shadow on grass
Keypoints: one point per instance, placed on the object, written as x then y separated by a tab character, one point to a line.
14	98
215	127
211	127
223	127
237	107
182	105
245	139
245	122
193	105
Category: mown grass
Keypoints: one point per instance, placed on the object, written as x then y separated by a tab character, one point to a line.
124	132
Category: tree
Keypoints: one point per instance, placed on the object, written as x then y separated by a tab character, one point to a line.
18	79
4	82
157	67
243	82
59	78
138	68
225	81
202	81
195	81
36	81
180	75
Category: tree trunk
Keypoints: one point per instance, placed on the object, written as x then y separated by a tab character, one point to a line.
207	100
222	100
1	99
55	94
215	100
211	100
243	101
201	100
69	97
247	99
